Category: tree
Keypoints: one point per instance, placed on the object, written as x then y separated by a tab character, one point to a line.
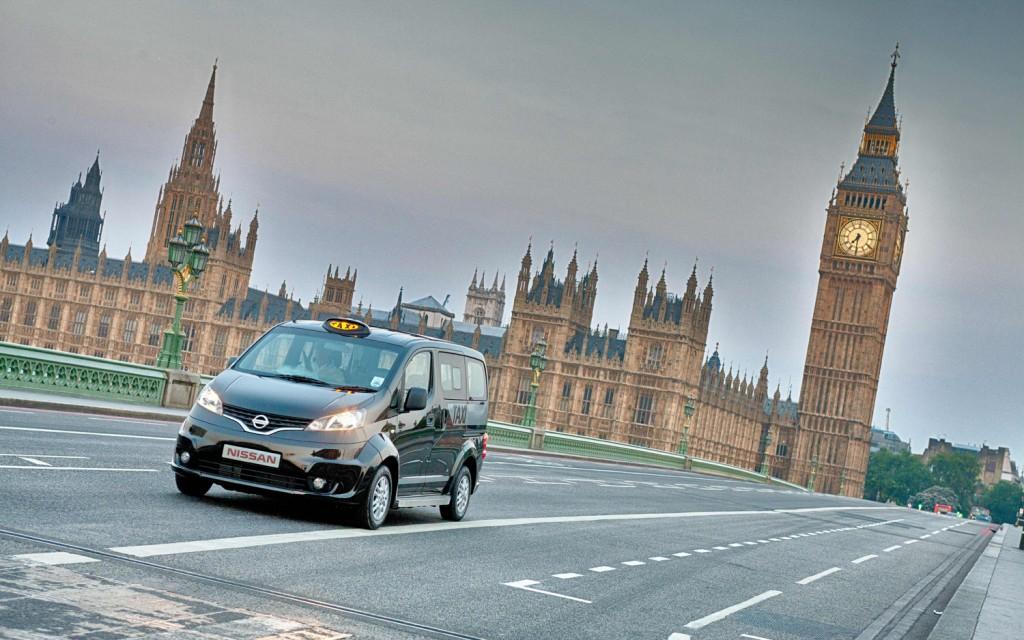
894	477
932	496
1002	500
959	472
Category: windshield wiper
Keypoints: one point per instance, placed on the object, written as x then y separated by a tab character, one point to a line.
291	377
354	387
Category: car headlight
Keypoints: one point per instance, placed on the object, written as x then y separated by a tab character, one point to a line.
209	400
338	421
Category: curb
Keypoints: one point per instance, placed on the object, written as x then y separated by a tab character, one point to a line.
960	618
71	407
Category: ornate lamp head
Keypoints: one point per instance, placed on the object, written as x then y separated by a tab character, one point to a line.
538	361
192	231
176	249
690	408
198	257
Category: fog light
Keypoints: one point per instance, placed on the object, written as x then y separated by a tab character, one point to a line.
319	484
185	457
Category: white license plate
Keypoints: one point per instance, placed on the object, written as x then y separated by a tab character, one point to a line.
263	458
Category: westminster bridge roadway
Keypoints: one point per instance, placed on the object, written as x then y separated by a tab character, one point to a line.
95	542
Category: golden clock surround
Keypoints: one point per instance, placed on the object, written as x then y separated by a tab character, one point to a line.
859	222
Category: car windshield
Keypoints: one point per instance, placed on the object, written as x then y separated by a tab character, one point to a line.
321	358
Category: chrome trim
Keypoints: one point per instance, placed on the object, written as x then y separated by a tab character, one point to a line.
259	433
414	479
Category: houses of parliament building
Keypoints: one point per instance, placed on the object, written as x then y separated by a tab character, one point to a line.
633	388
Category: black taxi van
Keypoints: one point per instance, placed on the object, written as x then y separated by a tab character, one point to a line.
345	412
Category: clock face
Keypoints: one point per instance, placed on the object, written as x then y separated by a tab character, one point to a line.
858	238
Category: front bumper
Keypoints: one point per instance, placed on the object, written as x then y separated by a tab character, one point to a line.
344	467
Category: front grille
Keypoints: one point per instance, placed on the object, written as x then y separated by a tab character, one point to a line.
228	469
276	421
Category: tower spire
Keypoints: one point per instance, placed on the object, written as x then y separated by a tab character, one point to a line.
206	113
885	113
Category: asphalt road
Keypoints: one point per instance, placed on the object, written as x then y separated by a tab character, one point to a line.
551	548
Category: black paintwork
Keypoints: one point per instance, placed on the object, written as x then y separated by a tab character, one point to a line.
425	447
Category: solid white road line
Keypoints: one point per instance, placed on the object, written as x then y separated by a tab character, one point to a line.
892	548
48	468
567	576
55	557
818	576
241	542
87	433
36	455
525	585
870	556
700	623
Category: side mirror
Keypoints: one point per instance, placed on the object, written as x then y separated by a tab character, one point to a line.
232	360
416	399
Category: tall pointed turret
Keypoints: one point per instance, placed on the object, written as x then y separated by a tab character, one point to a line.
206	112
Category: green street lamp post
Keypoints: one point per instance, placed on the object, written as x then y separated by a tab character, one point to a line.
764	460
187	256
684	443
814	473
538	362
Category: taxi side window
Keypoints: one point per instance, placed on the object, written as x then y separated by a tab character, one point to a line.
476	379
418	371
453	376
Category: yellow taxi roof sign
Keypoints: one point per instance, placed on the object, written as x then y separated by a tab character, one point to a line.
347	327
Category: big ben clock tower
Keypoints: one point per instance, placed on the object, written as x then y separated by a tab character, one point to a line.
865	226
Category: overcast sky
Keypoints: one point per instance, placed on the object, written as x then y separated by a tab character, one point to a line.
418	141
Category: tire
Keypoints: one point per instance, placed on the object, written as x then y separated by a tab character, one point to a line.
374	510
192	486
462	491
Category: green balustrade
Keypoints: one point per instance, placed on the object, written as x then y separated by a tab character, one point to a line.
518	437
35	369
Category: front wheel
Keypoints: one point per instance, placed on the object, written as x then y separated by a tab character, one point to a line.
374	510
192	486
462	489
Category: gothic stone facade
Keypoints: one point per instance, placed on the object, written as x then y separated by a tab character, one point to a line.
633	388
73	297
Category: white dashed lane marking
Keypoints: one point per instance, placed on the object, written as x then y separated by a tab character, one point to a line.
818	576
870	556
602	569
633	563
892	548
567	576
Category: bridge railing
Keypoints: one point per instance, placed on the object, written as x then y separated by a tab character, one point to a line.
50	371
520	437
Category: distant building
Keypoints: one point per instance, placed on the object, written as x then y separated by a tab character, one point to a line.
885	439
995	463
436	313
485	305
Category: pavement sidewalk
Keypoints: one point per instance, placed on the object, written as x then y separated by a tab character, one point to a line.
55	402
987	606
